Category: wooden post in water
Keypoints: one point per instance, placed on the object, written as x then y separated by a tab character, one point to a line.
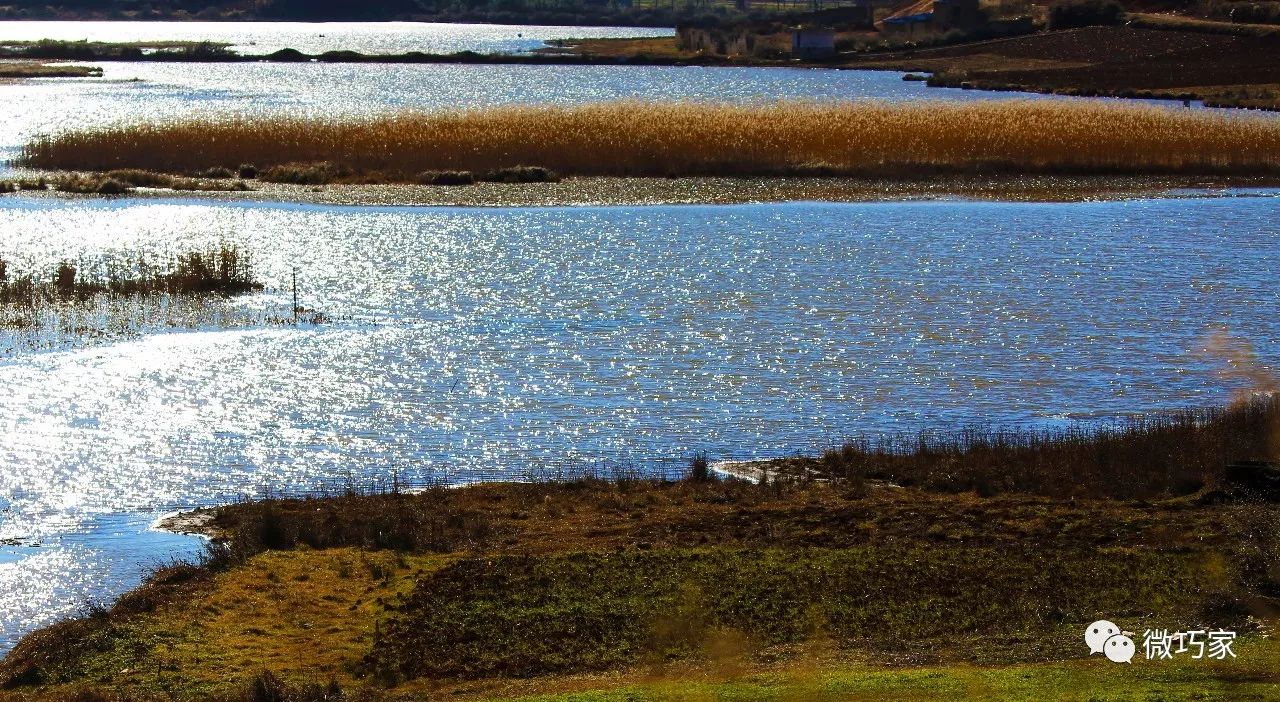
295	296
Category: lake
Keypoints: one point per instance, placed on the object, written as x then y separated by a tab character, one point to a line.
491	342
132	92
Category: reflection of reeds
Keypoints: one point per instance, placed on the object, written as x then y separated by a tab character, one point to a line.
1165	454
648	139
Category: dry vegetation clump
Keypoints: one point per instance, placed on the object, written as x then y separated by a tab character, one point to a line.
520	174
316	173
689	139
122	181
92	185
196	184
23	185
212	179
224	271
445	178
1166	454
139	178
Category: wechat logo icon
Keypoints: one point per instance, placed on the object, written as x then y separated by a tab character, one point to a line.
1106	638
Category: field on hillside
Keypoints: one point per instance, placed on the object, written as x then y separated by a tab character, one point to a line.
1126	61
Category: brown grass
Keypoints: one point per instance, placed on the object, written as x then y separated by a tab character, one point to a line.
1166	454
225	270
685	139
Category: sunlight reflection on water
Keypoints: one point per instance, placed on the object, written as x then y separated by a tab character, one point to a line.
489	341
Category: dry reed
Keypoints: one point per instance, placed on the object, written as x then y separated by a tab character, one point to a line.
1174	453
688	139
225	270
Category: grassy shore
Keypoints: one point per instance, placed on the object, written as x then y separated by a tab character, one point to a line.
690	139
609	191
798	587
35	69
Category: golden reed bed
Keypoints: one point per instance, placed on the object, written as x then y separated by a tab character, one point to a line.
687	139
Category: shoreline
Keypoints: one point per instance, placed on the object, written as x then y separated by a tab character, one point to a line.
638	191
197	521
355	609
503	588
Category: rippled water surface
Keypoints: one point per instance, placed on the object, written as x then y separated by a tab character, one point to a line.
319	37
490	341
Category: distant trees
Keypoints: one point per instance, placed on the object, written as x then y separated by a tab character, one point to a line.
655	13
1066	14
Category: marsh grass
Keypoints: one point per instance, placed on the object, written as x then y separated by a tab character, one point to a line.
123	181
225	270
21	70
693	139
1165	454
445	178
92	185
23	185
74	304
210	179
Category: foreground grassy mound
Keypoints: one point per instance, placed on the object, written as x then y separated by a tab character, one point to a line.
719	588
792	587
690	139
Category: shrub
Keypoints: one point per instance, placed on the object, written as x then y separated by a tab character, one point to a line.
140	178
93	185
266	687
317	173
520	174
248	171
111	186
700	469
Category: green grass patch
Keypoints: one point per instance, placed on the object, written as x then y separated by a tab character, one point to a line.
1253	676
524	615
